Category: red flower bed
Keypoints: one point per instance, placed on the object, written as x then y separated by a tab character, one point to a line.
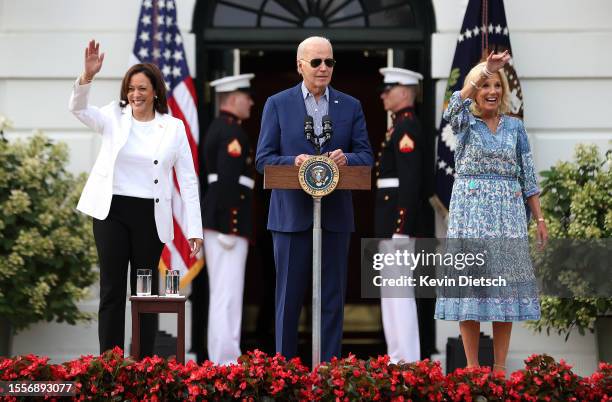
597	387
470	383
351	379
257	376
543	379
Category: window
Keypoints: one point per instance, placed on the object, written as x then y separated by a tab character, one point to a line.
313	14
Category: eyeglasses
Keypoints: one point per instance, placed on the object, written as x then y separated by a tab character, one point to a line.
314	63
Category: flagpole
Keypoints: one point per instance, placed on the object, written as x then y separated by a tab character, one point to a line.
484	46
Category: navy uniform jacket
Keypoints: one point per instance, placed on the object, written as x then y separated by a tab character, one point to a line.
401	156
227	202
282	138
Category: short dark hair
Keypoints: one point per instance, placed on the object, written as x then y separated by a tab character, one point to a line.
157	81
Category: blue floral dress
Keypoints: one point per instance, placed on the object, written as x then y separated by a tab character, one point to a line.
494	175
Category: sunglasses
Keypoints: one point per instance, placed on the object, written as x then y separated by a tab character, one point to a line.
314	63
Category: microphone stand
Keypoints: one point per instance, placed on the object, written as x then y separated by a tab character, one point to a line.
310	134
317	246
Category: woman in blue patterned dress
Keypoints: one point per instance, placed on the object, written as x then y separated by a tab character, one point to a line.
495	173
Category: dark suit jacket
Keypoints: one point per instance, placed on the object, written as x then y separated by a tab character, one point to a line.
402	156
227	206
282	138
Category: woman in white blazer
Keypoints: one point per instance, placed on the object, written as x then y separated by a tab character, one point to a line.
128	192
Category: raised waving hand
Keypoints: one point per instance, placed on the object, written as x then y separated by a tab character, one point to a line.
496	61
92	62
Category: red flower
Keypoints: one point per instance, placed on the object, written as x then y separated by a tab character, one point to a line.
277	386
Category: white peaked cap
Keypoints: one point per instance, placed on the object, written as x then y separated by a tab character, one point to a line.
232	83
400	76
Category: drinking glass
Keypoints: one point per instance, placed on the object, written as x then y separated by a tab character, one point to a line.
172	282
143	282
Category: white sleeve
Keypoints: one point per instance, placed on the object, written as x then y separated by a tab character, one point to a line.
79	105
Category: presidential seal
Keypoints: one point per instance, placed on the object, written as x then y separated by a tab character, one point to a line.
318	176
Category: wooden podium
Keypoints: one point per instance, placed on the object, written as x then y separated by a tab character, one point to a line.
283	177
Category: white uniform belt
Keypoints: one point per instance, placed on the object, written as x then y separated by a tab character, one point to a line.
244	180
247	182
388	182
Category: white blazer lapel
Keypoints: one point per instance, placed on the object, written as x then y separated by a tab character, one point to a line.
160	131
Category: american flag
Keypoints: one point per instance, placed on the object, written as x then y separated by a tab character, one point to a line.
159	41
484	29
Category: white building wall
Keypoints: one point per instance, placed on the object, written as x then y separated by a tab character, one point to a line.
563	55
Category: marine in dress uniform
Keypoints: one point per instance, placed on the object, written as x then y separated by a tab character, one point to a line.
399	176
227	218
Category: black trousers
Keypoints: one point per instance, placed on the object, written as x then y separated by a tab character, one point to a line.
127	235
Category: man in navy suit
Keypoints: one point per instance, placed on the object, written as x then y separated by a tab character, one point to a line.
282	142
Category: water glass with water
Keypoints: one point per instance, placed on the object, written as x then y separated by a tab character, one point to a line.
143	282
172	282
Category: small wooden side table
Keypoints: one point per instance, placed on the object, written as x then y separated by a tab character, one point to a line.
159	304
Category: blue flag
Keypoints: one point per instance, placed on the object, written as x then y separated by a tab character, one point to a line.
484	29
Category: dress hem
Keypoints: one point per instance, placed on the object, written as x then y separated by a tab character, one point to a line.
473	317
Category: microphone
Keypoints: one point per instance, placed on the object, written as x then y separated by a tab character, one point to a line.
309	128
327	128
